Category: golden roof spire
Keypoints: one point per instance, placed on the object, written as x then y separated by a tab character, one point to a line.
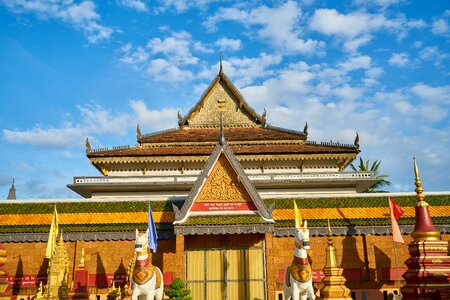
424	228
419	190
221	68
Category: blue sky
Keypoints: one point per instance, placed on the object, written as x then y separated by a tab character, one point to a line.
71	69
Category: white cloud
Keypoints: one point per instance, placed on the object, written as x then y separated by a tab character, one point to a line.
355	28
380	3
93	121
163	70
98	120
390	127
348	93
278	26
166	59
440	27
153	119
433	54
227	44
82	16
133	56
398	59
181	6
202	48
66	136
175	48
429	93
356	62
138	5
244	70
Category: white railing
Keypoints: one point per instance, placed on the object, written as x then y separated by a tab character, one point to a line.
192	178
309	176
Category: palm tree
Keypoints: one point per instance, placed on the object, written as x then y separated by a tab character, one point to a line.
364	167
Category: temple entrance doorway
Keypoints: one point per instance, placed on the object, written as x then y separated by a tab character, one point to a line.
230	267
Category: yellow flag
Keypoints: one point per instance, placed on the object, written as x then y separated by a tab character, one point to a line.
297	216
52	235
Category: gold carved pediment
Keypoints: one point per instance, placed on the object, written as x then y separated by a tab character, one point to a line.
223	185
220	98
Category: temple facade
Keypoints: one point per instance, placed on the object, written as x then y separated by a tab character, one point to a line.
221	187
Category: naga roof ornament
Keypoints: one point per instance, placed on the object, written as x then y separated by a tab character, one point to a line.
356	143
88	145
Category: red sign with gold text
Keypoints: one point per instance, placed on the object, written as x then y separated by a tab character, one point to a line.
223	206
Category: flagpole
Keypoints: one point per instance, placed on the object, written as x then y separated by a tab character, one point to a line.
396	268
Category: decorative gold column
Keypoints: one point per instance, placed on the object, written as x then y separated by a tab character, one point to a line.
58	270
5	289
428	274
334	282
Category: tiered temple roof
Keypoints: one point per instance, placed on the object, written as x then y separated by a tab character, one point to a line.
248	134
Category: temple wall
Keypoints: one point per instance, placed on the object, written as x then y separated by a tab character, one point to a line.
368	261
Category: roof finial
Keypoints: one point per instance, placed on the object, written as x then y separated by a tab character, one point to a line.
221	68
12	192
305	129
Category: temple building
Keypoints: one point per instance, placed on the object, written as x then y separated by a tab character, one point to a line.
221	187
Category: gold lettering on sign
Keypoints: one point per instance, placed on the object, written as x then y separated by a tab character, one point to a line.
223	185
436	261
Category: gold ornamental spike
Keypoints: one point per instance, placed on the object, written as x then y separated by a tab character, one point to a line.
419	190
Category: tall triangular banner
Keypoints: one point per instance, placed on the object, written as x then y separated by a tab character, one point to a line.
152	234
396	212
52	235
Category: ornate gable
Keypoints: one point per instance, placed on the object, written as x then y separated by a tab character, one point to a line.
221	93
222	188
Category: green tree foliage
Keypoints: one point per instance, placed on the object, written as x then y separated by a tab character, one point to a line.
364	167
178	290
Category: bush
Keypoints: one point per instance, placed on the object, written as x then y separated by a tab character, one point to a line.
178	290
